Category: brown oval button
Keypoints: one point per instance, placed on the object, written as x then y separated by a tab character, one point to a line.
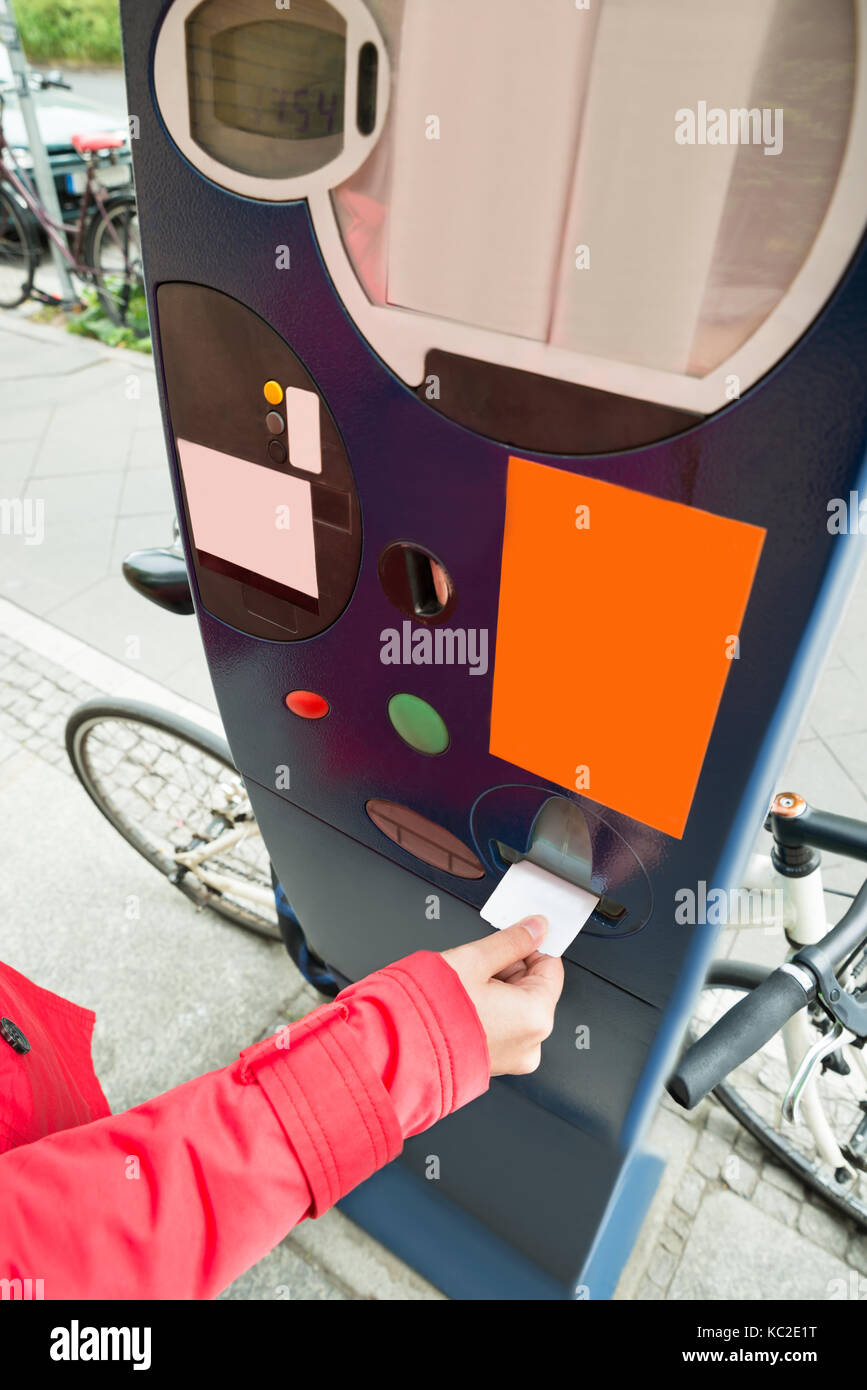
11	1033
431	843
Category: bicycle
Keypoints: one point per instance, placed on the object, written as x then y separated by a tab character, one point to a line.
797	1031
101	248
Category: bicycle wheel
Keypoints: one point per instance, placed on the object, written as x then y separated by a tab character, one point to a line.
753	1094
112	254
17	254
168	786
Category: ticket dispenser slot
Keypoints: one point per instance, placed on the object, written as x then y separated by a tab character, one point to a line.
606	909
560	843
570	840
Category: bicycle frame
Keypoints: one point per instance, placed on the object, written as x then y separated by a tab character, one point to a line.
803	922
236	808
194	861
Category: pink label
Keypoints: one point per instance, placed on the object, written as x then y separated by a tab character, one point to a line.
251	516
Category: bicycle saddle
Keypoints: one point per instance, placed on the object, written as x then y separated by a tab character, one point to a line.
91	144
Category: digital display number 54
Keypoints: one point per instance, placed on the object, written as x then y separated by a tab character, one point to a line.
309	111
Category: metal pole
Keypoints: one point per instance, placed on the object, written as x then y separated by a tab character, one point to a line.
42	175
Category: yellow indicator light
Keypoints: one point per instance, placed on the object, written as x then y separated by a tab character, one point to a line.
273	392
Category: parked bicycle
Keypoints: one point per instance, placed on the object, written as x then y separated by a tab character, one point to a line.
783	1050
101	247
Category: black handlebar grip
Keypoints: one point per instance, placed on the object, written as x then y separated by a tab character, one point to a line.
736	1036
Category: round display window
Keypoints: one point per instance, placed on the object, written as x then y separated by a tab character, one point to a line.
268	101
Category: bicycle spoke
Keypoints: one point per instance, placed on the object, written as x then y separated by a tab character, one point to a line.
115	264
168	795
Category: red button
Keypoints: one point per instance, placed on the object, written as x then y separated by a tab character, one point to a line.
307	704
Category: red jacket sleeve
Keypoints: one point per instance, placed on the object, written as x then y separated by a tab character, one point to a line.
179	1196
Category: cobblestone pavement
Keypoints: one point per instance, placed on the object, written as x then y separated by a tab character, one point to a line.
729	1223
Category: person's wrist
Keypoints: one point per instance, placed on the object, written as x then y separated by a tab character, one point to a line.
422	1032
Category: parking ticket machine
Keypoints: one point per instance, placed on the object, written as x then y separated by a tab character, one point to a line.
511	359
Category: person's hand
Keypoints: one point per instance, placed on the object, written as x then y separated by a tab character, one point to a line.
515	989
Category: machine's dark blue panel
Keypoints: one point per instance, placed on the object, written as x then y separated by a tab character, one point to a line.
408	473
601	1037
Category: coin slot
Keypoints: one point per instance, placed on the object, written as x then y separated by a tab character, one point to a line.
425	584
416	582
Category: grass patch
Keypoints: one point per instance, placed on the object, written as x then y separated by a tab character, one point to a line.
69	31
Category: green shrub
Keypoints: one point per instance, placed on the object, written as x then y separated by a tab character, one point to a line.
93	323
62	31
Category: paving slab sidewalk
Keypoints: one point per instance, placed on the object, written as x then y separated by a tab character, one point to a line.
81	438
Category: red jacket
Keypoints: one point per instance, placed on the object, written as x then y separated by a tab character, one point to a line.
179	1196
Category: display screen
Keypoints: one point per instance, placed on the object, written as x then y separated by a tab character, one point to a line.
251	522
279	79
265	89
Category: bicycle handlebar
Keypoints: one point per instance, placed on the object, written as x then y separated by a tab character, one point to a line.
739	1033
747	1027
39	82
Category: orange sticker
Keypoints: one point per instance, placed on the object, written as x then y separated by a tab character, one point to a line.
617	624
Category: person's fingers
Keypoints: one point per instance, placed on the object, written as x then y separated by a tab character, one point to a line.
545	975
519	969
530	1062
511	972
504	948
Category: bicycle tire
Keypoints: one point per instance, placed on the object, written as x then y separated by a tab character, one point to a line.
744	976
88	716
14	227
96	246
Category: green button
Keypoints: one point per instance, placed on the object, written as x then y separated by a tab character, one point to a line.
418	724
